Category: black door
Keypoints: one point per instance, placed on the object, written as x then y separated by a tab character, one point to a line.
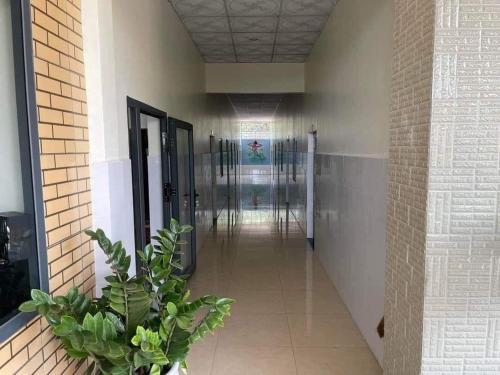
183	202
150	174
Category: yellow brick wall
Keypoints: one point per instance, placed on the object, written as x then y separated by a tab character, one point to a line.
64	147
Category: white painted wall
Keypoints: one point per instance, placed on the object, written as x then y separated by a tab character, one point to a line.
138	49
255	78
10	164
347	100
348	77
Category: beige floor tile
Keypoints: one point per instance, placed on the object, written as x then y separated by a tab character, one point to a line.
309	279
324	331
257	257
252	279
284	300
256	266
255	330
256	301
323	301
243	360
336	361
209	280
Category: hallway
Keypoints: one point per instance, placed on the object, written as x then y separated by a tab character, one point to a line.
288	318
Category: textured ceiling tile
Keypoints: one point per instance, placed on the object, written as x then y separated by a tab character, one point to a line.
212	38
254	58
308	7
289	58
297	38
254	24
253	7
253	38
302	23
293	49
220	59
258	49
257	28
199	7
206	24
216	50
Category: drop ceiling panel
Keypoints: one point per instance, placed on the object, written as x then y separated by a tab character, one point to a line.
254	30
293	49
253	38
257	49
207	24
187	8
254	24
290	24
253	7
216	50
212	38
308	7
297	38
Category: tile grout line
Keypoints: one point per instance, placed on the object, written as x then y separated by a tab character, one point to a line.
288	324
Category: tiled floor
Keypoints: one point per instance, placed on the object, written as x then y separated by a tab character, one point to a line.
288	318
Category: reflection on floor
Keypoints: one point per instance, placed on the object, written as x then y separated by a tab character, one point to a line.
288	318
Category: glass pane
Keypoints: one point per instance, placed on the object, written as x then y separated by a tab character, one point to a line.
184	186
151	146
18	257
11	191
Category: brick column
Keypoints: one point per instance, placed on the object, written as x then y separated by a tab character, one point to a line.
443	256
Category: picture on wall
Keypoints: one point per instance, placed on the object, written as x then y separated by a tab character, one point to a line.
256	151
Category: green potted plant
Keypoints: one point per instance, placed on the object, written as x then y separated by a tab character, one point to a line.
141	325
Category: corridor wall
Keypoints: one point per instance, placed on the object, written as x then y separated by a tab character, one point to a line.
142	50
347	101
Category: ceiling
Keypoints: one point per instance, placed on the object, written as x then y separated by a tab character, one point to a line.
255	106
254	31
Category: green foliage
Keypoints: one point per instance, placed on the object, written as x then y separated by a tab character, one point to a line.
142	324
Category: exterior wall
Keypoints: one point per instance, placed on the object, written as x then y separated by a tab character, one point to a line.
462	291
62	118
254	78
408	161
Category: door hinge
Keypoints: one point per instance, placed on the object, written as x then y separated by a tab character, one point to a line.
168	192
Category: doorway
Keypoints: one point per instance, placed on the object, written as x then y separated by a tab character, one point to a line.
183	201
161	154
310	178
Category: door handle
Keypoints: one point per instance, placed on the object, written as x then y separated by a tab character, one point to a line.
168	192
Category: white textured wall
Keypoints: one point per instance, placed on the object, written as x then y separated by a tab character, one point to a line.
10	176
462	290
255	78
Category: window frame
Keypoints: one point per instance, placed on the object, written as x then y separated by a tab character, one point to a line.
29	148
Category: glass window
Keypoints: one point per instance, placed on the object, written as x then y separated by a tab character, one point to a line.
20	218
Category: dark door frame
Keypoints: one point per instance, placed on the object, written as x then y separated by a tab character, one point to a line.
173	125
135	109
